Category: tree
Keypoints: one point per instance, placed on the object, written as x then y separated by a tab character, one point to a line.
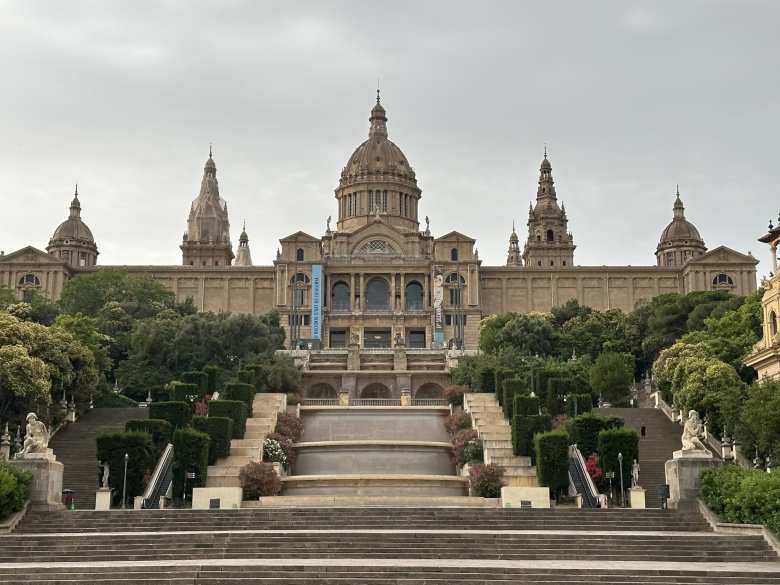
21	376
284	375
88	294
569	310
84	329
759	421
611	376
593	332
7	297
527	335
489	328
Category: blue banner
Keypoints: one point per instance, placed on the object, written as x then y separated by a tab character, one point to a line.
316	301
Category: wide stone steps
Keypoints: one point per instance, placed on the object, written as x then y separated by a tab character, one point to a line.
383	575
362	518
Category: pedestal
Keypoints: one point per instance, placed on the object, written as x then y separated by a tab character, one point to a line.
683	474
343	398
103	499
525	497
46	493
406	398
636	496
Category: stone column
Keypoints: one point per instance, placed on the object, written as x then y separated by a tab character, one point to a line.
392	292
362	302
426	304
774	258
352	291
402	276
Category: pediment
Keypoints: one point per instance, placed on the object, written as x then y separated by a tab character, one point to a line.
300	237
455	236
31	255
723	255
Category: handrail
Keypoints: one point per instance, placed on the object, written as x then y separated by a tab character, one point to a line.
577	461
154	489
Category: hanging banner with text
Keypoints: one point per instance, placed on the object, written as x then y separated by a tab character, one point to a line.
316	301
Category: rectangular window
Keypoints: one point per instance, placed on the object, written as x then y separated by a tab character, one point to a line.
338	338
384	200
449	319
371	201
299	319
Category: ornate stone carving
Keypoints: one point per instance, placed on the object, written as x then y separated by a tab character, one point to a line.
635	474
692	432
36	439
104	481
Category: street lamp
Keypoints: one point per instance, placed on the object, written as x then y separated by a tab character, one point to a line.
622	493
124	483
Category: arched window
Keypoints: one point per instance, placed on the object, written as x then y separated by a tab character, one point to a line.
538	238
722	280
772	324
414	296
29	280
376	247
299	255
454	254
550	236
299	283
340	296
456	292
377	294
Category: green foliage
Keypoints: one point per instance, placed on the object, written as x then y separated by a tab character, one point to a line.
473	452
501	374
585	429
220	431
112	400
199	379
525	405
486	480
562	314
759	420
466	373
612	375
588	334
283	375
234	410
524	427
89	293
111	448
259	480
160	430
190	454
614	441
552	460
454	394
212	376
489	328
15	486
240	391
189	393
557	390
84	329
513	387
527	335
177	413
745	496
577	404
487	379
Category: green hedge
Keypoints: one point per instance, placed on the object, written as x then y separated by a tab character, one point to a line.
111	400
513	387
614	441
212	376
199	379
190	453
556	389
260	371
178	414
744	496
240	391
524	427
584	403
141	459
220	430
552	460
184	392
487	379
234	410
525	405
585	429
160	430
15	487
501	374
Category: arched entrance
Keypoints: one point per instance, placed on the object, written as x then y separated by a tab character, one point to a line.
375	390
321	390
429	390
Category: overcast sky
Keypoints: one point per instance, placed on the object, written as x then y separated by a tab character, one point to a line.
631	97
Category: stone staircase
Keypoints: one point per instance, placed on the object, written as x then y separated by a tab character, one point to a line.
496	434
662	439
75	447
265	409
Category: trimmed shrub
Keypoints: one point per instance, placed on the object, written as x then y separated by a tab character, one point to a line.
190	454
111	448
183	392
234	410
583	402
457	422
160	430
513	387
111	400
487	379
15	486
749	496
212	375
473	452
584	430
718	488
454	394
525	405
240	391
198	379
178	414
501	375
289	426
459	442
294	398
614	441
286	445
486	480
552	460
260	374
220	430
524	427
162	393
556	389
259	480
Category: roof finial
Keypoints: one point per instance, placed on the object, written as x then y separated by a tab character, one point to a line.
545	150
513	226
377	90
76	193
209	149
244	228
678	189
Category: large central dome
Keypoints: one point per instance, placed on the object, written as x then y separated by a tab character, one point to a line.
377	181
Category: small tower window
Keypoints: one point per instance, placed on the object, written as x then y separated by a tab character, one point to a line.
550	236
384	200
299	255
538	238
772	325
454	254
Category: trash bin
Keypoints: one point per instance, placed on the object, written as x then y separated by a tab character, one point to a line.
69	499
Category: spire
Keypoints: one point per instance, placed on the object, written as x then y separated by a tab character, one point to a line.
243	238
243	255
679	208
210	167
75	205
513	257
546	188
378	120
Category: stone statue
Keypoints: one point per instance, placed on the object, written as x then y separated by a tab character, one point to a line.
635	474
36	437
328	228
692	432
427	224
104	481
354	338
399	341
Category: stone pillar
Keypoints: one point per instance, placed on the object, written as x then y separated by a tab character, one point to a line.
392	292
46	492
426	304
683	474
5	445
352	291
402	276
774	258
362	302
399	358
103	499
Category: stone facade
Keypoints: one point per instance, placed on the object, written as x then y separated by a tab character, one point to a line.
385	280
766	353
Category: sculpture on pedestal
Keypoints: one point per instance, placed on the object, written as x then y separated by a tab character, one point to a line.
104	481
36	438
692	431
635	474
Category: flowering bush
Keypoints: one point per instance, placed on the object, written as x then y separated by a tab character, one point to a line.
454	394
258	480
458	422
594	471
289	426
286	445
473	452
486	480
459	442
201	408
273	452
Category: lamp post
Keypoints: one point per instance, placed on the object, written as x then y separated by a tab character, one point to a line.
124	483
622	493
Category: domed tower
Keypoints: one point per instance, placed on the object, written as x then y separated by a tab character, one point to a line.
378	181
207	239
680	241
549	242
72	240
513	257
243	255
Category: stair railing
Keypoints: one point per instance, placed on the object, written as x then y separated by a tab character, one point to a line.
591	496
160	480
